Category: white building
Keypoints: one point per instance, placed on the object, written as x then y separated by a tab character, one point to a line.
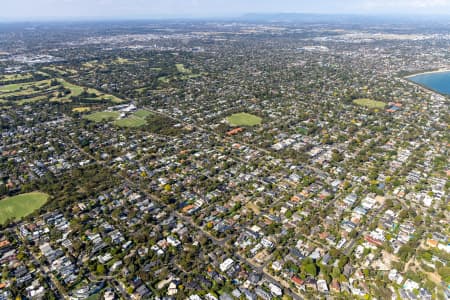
275	290
226	265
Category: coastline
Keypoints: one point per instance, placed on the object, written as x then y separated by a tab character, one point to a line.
442	70
424	87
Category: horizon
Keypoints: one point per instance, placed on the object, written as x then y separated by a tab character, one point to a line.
249	16
49	10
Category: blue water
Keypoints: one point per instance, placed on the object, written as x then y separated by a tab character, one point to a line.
439	82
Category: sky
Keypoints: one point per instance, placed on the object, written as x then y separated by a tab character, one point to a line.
41	9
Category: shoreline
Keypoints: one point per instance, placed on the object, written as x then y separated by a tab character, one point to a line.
426	88
442	70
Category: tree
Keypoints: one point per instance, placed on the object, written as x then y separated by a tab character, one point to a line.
310	269
445	273
342	262
405	252
288	214
337	156
100	269
336	273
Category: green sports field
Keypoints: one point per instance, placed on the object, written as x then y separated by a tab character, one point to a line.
142	113
182	69
132	121
137	119
244	119
121	60
81	109
21	205
102	116
369	103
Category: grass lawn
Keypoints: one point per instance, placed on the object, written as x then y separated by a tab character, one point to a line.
42	90
190	76
111	98
132	121
18	86
90	64
164	79
21	92
31	92
31	100
182	69
81	109
15	77
21	205
142	113
369	103
94	297
244	119
121	60
37	91
136	120
61	71
141	90
102	116
76	90
55	69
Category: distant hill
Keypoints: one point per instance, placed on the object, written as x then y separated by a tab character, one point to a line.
342	18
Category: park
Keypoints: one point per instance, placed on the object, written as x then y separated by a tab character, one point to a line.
244	119
20	206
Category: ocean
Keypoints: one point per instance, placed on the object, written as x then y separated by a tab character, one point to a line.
438	82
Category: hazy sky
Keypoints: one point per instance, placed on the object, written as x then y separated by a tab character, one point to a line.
24	9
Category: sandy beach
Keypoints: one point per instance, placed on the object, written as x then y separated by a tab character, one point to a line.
443	70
